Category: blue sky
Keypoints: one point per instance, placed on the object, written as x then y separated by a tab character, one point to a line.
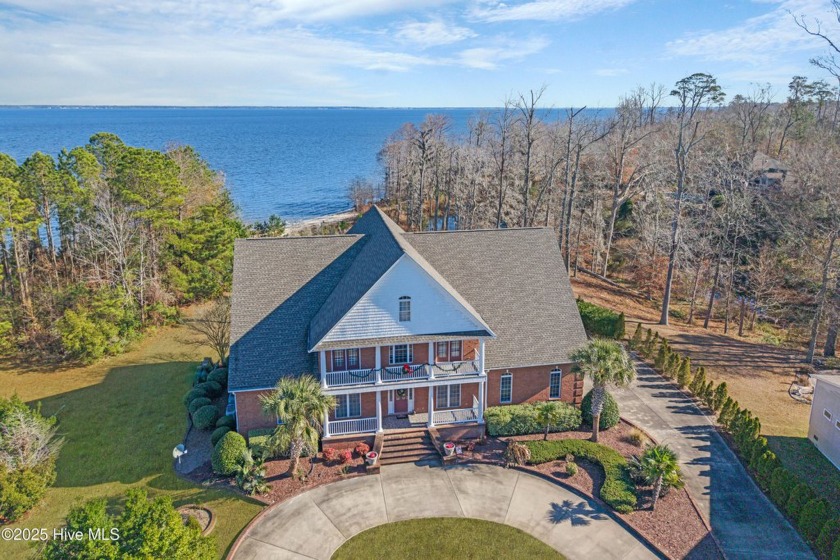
393	53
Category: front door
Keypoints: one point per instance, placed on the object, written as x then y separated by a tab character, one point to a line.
401	401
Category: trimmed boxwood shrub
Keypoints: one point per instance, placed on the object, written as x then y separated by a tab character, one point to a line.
609	416
212	388
600	321
799	496
782	482
229	421
217	434
521	419
205	417
829	534
219	376
228	453
194	393
618	490
812	518
198	403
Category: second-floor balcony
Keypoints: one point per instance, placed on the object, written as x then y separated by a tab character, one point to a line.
402	373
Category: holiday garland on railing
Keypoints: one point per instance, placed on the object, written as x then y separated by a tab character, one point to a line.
408	369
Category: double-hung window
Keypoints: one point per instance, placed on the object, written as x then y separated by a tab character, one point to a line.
405	308
353	358
338	360
349	406
506	389
454	350
442	351
448	396
554	384
401	354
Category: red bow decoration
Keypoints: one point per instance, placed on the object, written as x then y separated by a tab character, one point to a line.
406	368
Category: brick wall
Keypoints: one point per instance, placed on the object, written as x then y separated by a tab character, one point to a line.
249	413
530	384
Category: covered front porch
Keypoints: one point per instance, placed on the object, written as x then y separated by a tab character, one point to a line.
444	404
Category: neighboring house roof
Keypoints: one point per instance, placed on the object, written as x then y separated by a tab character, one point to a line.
288	294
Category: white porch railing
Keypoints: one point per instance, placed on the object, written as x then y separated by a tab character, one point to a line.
469	367
351	377
456	416
352	426
398	374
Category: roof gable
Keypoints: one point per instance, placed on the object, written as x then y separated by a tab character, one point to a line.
384	246
434	310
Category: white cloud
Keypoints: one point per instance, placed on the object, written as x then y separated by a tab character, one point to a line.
762	39
503	50
611	72
433	33
544	10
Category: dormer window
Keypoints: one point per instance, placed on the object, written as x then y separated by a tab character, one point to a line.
405	308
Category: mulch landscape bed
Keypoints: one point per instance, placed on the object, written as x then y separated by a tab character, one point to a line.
675	527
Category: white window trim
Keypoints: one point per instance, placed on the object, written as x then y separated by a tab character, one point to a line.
449	399
460	350
559	384
445	355
827	414
401	301
358	358
346	399
343	365
510	397
409	354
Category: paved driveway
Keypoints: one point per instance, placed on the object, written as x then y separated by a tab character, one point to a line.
745	522
316	523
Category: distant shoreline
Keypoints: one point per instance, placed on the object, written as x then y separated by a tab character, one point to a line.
299	225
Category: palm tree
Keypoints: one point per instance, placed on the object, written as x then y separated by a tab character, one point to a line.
606	363
300	407
660	467
548	415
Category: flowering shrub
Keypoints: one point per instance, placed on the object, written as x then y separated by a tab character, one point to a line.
330	454
362	449
345	456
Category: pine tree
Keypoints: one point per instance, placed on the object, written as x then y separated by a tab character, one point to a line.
698	381
726	411
720	396
662	355
672	365
684	373
636	341
709	393
647	345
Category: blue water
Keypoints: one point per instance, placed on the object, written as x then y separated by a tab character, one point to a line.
296	163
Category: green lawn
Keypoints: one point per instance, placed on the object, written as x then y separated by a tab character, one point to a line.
444	539
803	459
120	419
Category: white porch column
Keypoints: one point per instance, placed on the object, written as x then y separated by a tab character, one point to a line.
323	369
379	411
378	363
431	421
327	425
481	356
481	390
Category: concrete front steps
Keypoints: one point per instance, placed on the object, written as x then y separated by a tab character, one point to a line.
408	446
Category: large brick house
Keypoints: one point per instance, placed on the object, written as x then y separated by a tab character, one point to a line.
403	328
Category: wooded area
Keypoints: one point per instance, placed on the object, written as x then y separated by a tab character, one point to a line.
105	241
731	207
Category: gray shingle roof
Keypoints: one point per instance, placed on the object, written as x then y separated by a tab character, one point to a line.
278	286
516	280
289	292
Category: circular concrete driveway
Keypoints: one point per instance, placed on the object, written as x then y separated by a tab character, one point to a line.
314	524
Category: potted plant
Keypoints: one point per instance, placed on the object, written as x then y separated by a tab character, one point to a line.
448	448
370	457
